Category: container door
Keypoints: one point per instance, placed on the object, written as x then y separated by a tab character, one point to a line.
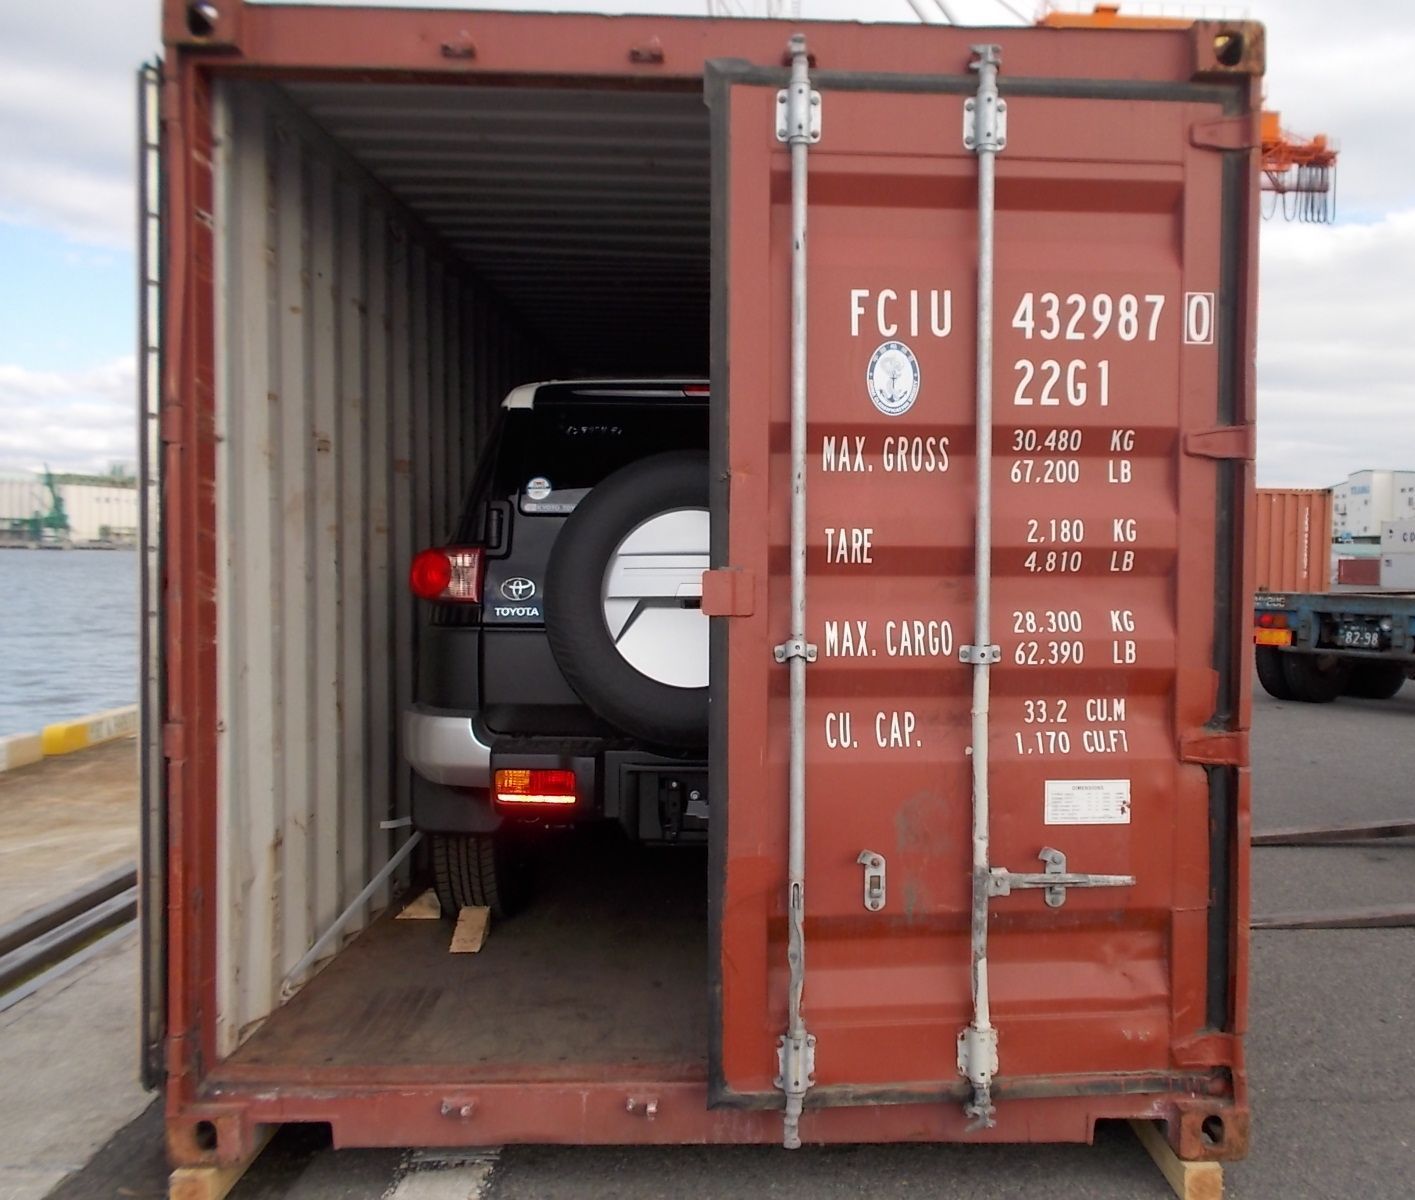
1118	461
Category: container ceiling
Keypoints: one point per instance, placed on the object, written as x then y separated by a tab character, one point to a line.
587	210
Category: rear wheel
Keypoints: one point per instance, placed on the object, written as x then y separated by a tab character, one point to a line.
479	870
1271	675
1315	678
1375	680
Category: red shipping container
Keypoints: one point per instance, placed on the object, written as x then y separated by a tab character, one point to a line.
1358	572
1293	539
360	260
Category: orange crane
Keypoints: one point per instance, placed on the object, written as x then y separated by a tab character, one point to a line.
1299	174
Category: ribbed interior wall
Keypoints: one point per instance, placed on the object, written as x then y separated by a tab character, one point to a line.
359	365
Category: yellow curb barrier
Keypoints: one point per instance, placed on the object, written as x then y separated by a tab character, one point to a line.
64	737
20	750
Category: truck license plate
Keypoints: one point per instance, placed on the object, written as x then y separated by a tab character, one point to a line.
1358	637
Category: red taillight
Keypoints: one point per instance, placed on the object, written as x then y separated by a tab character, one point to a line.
1273	620
452	574
536	786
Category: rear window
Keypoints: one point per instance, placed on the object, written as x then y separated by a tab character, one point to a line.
568	445
542	459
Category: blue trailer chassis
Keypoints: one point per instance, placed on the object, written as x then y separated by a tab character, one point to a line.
1355	625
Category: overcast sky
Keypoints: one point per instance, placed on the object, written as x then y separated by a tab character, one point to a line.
1337	320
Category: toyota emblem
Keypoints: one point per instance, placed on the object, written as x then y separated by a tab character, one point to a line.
519	588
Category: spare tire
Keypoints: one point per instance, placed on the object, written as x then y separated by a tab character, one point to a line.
623	599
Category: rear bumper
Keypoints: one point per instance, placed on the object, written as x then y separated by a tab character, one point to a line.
446	748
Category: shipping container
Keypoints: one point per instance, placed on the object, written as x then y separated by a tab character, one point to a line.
1397	572
979	810
1358	572
1292	542
1398	537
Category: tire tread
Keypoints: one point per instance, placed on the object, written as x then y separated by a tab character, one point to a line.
471	870
1271	673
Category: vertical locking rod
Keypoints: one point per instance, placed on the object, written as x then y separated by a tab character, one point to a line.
796	1050
977	1044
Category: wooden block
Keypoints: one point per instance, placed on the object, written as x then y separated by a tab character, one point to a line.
1190	1180
424	908
214	1183
470	934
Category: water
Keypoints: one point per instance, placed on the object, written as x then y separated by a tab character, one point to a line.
68	635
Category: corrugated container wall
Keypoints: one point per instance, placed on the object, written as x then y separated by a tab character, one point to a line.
1293	542
347	426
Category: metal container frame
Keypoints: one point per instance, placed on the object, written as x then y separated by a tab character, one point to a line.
268	42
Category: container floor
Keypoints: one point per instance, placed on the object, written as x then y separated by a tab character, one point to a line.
604	973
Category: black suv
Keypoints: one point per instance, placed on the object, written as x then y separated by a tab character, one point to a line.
563	665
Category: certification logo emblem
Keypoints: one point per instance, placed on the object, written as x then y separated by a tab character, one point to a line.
893	378
518	589
538	488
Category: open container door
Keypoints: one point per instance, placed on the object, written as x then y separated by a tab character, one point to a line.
1086	960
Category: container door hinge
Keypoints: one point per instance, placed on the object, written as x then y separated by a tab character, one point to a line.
1213	747
169	424
174	741
874	879
1231	133
1226	441
1053	881
729	592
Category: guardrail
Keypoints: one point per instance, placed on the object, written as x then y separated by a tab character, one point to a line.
51	940
64	737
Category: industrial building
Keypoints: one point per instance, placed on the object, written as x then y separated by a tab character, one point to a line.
1366	500
77	510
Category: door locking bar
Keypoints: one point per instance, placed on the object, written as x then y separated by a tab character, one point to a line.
798	124
977	1042
1053	880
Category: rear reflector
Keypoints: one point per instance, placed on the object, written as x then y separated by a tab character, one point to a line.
451	574
518	786
1272	637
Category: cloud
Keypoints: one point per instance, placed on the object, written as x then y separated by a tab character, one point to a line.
68	114
1336	351
81	420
